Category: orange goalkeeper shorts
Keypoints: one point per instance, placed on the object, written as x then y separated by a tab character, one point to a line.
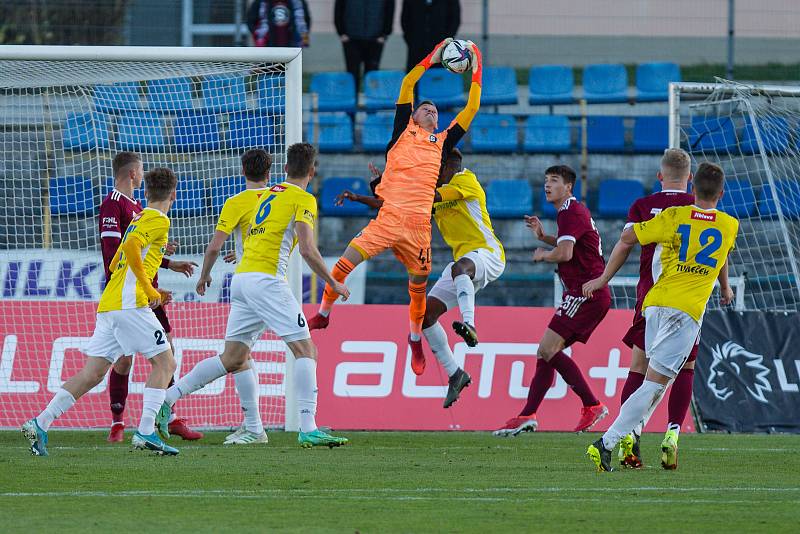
408	237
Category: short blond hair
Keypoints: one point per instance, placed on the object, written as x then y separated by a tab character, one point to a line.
675	164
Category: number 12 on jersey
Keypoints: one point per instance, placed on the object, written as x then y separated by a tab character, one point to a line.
710	241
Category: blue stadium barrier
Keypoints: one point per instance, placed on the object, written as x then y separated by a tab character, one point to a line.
499	86
377	131
739	199
547	133
494	133
85	131
196	132
224	188
223	93
652	80
381	88
789	197
716	134
335	133
71	195
443	88
331	187
272	94
336	91
117	98
650	134
190	198
605	134
509	199
775	133
173	94
250	129
605	83
548	211
551	84
616	196
141	132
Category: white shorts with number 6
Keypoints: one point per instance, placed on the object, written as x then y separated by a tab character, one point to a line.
488	268
260	301
122	332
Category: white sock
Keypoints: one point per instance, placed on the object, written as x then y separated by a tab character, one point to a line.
60	403
153	399
639	428
633	412
324	313
305	384
413	336
674	426
203	373
437	340
465	292
247	388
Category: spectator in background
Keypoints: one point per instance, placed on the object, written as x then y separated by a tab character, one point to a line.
279	22
425	23
363	26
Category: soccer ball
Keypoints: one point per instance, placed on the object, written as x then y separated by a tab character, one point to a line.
457	57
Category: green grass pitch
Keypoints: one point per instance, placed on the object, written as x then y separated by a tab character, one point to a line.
398	482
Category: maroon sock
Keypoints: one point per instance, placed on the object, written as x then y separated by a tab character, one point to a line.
541	382
118	394
632	383
574	378
680	397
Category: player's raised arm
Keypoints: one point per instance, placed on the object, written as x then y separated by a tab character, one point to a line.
464	118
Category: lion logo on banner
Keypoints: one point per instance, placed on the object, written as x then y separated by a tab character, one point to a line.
735	368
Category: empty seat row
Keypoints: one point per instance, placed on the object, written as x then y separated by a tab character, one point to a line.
724	134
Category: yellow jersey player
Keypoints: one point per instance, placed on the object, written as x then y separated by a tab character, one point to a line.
126	323
235	219
261	297
694	245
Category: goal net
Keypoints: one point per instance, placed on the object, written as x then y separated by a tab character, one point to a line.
64	113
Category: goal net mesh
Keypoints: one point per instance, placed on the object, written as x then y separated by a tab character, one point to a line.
61	123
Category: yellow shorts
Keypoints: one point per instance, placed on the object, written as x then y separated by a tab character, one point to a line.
408	237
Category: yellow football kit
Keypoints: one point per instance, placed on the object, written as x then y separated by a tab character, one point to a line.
149	227
692	247
236	214
271	237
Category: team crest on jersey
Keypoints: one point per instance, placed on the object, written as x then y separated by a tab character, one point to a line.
432	138
702	216
278	188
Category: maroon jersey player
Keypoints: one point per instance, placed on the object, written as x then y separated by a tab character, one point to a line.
116	212
579	257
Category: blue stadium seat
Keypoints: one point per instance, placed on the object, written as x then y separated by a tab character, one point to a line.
548	211
616	196
336	91
714	134
605	83
171	94
651	134
789	197
605	134
190	198
224	188
494	133
381	88
499	86
509	199
652	81
335	133
140	132
272	94
223	93
117	98
551	84
71	195
547	133
443	88
739	199
196	132
331	187
377	131
775	133
85	131
250	129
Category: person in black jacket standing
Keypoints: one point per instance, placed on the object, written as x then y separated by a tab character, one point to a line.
363	26
427	22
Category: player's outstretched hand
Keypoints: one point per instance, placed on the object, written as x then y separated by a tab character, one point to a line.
185	267
477	58
593	285
726	296
436	57
539	254
153	297
535	225
374	171
344	195
170	248
341	290
202	285
230	257
166	296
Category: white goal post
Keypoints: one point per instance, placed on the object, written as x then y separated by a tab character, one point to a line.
64	112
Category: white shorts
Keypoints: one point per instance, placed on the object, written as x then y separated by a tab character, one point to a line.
126	332
488	268
260	301
669	337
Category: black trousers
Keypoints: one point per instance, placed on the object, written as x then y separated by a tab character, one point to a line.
361	51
